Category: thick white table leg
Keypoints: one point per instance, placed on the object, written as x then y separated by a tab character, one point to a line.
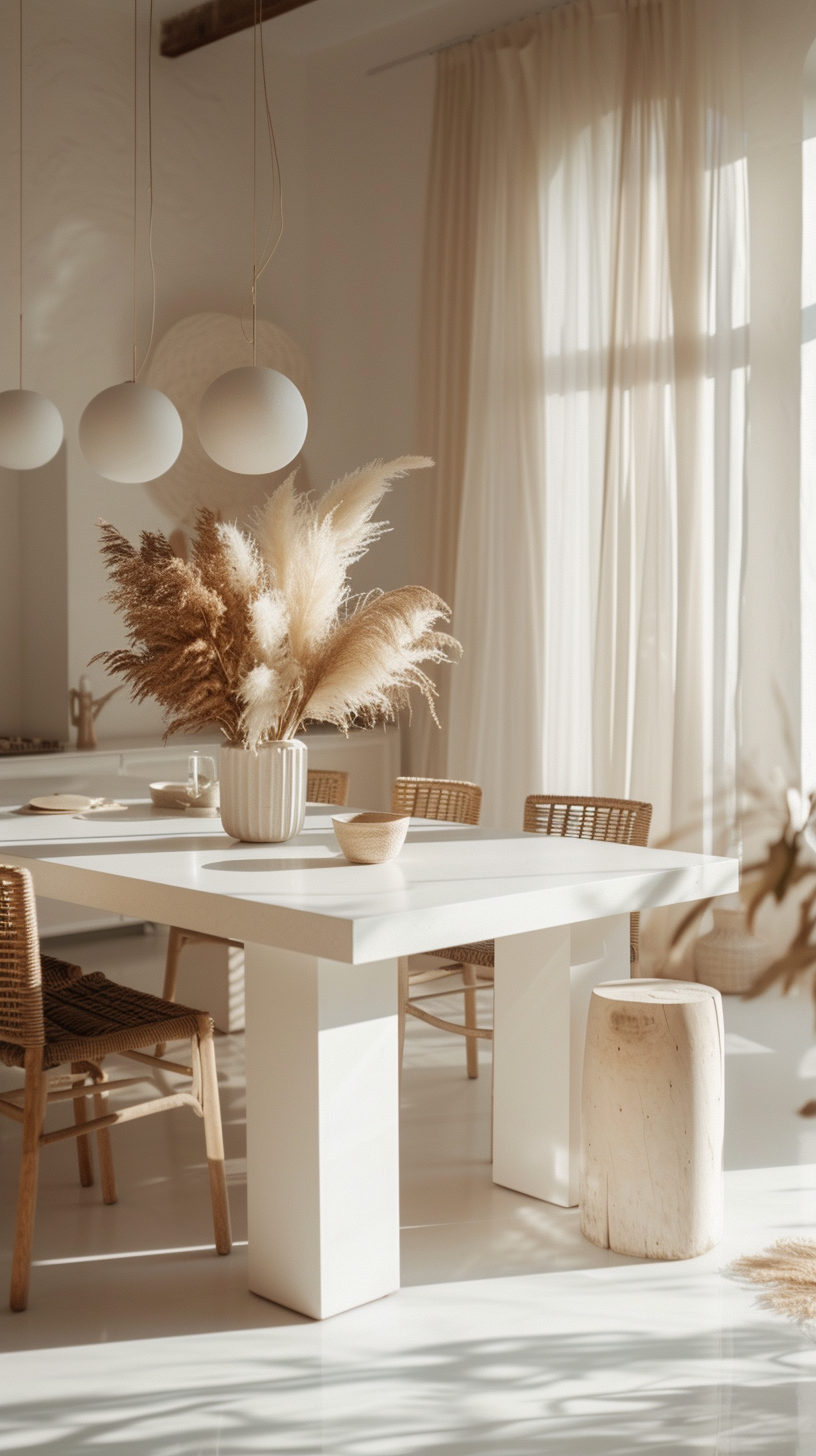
544	980
322	1130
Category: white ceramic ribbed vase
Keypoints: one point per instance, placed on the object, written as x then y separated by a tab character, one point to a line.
731	957
263	791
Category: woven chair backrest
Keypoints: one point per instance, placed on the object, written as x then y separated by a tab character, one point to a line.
624	821
21	1007
327	786
453	799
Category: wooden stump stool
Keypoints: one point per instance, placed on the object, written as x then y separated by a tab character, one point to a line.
652	1119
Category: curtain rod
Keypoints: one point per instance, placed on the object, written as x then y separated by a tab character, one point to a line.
447	45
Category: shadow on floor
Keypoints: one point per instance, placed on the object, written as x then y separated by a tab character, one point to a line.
613	1394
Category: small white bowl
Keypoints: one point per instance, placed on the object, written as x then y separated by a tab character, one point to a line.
371	838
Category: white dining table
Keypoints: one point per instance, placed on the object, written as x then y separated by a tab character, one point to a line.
322	939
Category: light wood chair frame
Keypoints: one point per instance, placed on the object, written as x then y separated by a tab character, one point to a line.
24	974
621	821
323	786
456	801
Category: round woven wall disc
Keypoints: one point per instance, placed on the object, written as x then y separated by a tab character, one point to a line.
190	356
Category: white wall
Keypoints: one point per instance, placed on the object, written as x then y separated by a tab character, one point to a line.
368	147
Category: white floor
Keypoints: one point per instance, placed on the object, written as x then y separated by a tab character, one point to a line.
511	1334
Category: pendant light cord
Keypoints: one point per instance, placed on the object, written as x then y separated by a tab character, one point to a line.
20	220
137	371
150	188
254	181
135	149
277	182
267	254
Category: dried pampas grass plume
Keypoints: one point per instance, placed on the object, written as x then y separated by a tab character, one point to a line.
187	627
788	1273
352	501
307	549
243	561
259	635
372	659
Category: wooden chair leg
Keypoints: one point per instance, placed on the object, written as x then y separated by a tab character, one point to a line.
215	1144
86	1172
36	1091
403	987
175	944
107	1174
634	944
471	1042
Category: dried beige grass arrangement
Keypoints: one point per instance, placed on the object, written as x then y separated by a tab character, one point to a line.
787	1272
259	633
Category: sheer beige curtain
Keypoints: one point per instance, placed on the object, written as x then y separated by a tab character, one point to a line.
584	381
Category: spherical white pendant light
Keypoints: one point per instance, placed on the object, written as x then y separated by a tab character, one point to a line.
30	429
252	420
130	433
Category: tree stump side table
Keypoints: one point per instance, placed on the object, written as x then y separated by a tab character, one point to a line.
652	1119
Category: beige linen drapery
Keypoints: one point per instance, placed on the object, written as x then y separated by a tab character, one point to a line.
583	381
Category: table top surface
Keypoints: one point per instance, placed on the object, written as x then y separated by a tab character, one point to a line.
450	882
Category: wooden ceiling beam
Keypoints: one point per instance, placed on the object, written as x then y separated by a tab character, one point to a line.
212	21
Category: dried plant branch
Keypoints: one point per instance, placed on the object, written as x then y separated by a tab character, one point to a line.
779	872
788	864
775	875
259	635
799	958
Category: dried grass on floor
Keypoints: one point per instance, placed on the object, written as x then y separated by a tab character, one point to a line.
788	1272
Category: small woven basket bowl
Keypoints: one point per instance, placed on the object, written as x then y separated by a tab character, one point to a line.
371	838
169	796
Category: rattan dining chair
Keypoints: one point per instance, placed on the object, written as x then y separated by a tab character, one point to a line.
52	1015
457	802
620	821
323	786
327	786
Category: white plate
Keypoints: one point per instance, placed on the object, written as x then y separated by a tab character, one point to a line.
63	803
